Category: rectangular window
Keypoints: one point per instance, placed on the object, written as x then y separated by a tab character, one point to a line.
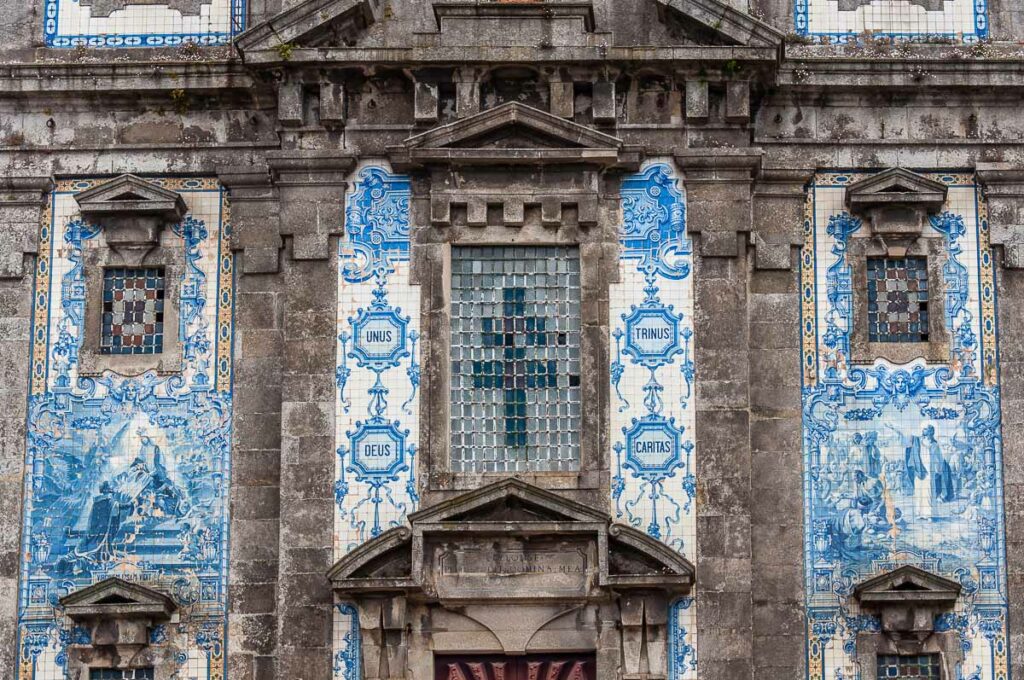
133	311
897	299
515	350
912	667
115	674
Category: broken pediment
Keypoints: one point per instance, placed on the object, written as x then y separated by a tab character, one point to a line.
506	541
516	134
716	22
314	23
115	598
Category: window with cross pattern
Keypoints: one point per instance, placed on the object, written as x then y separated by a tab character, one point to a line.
515	349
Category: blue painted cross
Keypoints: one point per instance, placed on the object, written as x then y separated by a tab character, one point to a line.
513	373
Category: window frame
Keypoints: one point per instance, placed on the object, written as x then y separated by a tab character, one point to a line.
568	390
929	247
432	270
97	257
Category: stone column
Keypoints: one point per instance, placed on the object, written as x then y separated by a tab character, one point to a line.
21	203
718	191
312	193
776	526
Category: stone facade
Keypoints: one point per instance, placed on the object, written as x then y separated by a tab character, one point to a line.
771	430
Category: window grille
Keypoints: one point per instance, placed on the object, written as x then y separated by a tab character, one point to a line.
897	299
515	350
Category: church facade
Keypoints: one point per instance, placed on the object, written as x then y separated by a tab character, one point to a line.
508	340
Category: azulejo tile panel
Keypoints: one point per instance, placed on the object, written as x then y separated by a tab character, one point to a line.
902	463
128	476
851	20
141	23
652	381
378	377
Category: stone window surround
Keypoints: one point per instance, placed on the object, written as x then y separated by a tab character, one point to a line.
872	645
931	248
432	270
169	255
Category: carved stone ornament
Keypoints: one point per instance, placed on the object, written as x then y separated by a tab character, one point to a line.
117	619
509	560
132	212
907	601
896	202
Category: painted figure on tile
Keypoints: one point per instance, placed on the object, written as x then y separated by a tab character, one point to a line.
872	455
914	467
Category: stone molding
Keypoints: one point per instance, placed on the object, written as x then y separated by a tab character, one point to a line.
21	204
300	194
507	560
729	23
1003	184
304	23
120	617
907	601
780	196
719	195
135	216
552	140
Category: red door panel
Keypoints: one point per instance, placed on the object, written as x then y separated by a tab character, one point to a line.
534	667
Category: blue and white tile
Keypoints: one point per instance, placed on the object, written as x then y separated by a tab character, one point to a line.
851	20
864	518
378	376
652	380
74	23
128	476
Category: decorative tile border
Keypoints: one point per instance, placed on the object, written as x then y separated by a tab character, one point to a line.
902	464
128	476
915	20
69	23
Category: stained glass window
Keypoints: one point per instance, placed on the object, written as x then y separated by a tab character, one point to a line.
897	299
133	311
515	350
912	667
115	674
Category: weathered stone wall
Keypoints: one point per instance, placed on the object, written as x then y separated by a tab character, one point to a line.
208	112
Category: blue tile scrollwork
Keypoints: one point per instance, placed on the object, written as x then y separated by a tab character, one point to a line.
128	476
902	463
378	405
653	474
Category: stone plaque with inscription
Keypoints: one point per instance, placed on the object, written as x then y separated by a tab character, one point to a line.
513	568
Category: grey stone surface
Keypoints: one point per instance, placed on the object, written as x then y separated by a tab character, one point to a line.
747	122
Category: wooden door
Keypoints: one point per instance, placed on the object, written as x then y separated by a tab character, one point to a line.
533	667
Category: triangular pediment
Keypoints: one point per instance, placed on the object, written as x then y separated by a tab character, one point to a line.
514	133
719	23
116	598
906	584
508	500
313	23
635	559
479	130
896	186
129	194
